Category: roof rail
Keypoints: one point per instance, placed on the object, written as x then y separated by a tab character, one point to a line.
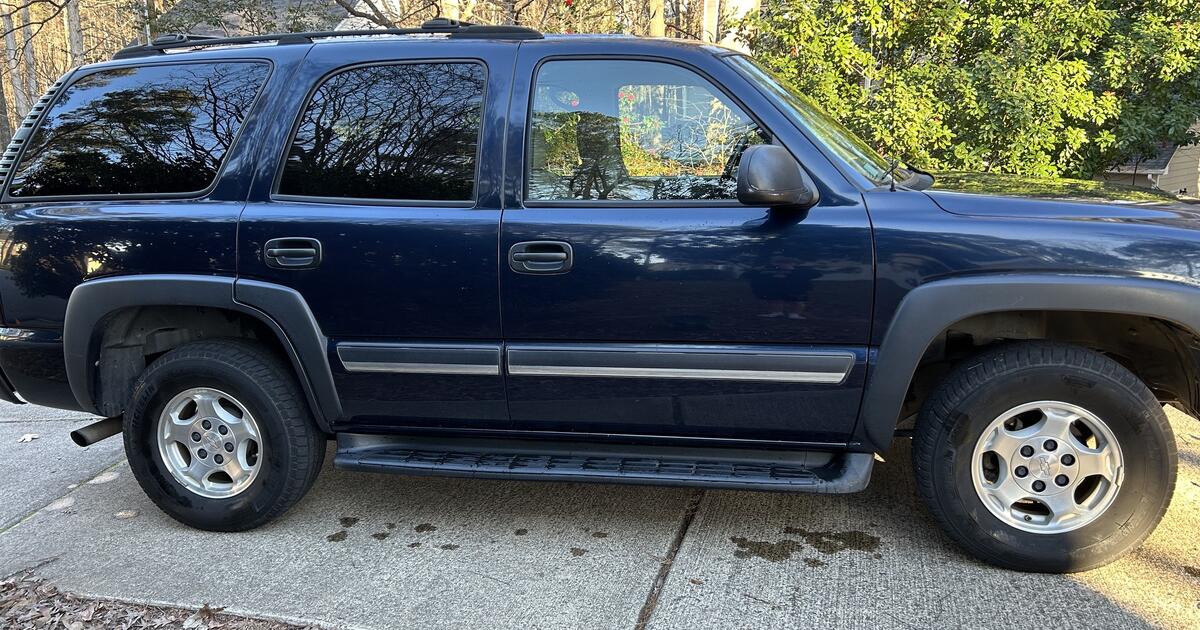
454	29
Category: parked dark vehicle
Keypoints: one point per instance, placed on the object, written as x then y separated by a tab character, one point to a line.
478	251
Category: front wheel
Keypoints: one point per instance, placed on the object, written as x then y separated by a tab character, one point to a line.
219	437
1043	456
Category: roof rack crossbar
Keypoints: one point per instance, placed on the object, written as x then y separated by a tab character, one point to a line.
452	28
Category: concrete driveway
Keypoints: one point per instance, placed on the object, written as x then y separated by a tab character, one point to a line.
376	551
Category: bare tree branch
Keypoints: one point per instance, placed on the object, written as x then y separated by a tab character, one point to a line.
375	15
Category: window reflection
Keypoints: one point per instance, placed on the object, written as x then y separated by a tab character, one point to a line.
633	130
403	131
152	129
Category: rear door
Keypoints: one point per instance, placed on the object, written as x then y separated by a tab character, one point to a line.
639	297
384	215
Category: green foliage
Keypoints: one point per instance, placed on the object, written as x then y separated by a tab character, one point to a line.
1035	87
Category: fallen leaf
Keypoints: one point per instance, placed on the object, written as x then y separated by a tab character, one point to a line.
194	623
60	504
28	437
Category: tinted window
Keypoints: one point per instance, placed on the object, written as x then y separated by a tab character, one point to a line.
153	129
633	130
403	131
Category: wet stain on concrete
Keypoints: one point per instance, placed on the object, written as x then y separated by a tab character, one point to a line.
695	581
576	551
774	552
599	534
425	528
348	521
833	542
521	532
337	537
814	562
414	545
391	526
449	547
825	542
380	535
1192	571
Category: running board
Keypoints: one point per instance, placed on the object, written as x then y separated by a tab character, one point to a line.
778	470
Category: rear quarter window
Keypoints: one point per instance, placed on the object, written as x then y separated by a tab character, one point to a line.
161	129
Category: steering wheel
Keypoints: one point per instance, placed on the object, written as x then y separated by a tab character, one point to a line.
731	164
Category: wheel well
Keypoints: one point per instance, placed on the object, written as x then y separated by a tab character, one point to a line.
133	337
1158	352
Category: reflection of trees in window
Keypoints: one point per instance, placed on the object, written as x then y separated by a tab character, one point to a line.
152	129
667	136
673	130
404	131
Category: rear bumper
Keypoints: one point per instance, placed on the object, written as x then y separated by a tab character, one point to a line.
31	364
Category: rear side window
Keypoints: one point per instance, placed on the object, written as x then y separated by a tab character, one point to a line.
162	129
398	132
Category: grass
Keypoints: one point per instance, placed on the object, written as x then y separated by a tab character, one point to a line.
1061	188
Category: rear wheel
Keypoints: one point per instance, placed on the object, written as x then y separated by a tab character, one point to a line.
1045	457
219	437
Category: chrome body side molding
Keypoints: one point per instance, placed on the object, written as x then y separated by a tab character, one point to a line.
421	358
706	362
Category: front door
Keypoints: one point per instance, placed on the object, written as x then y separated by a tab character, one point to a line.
639	297
385	216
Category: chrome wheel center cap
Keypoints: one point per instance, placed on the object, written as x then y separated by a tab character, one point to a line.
1045	466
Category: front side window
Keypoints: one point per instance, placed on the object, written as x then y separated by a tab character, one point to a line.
633	130
162	129
399	132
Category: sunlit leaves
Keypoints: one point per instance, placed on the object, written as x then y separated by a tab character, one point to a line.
1036	87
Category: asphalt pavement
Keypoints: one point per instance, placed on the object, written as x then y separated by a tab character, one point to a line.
381	551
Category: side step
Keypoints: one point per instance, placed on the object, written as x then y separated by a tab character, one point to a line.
779	470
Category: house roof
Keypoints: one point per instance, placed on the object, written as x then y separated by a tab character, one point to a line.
1155	164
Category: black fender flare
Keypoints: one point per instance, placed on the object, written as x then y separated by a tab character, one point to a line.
931	308
281	309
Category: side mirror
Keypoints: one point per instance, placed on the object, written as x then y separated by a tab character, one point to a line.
769	176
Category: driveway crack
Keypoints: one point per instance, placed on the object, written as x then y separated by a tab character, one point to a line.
664	569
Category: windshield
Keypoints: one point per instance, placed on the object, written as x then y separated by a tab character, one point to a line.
812	119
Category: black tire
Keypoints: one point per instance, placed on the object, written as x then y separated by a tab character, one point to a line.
983	388
293	446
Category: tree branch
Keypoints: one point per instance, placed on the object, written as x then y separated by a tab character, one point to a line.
376	16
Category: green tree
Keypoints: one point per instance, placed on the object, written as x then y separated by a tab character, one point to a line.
1036	87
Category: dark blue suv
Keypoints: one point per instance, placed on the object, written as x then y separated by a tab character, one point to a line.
478	251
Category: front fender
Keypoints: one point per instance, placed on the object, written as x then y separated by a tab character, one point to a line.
930	309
